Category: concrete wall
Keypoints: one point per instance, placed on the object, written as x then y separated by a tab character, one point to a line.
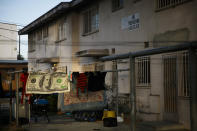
8	41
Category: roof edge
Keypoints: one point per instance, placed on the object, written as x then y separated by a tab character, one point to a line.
40	20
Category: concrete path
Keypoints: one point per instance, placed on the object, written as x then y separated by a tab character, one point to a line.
75	126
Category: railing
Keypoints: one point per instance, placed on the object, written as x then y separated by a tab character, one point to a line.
162	4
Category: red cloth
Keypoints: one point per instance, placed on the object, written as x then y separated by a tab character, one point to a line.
82	83
23	79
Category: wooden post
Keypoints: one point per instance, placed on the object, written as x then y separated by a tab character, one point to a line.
132	94
29	113
193	89
10	84
17	98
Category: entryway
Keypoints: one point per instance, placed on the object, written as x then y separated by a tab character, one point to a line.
170	88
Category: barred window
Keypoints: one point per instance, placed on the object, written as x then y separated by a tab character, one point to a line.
45	32
62	30
183	83
117	4
162	4
143	71
90	20
32	42
39	35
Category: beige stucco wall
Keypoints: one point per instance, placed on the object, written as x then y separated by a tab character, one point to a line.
173	24
8	41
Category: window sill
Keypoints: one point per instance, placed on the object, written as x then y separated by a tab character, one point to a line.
89	33
184	97
171	6
58	41
143	86
117	9
30	51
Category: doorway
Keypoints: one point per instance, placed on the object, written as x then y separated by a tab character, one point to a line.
170	87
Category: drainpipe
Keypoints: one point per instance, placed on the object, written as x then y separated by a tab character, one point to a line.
17	99
132	94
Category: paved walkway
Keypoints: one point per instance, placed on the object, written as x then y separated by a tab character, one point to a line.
75	126
61	123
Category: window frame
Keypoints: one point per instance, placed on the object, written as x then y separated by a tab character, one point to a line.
143	71
184	86
61	33
45	31
169	4
32	45
116	5
39	35
90	20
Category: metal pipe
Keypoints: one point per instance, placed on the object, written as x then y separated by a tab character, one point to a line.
116	85
132	94
153	51
118	70
13	72
193	90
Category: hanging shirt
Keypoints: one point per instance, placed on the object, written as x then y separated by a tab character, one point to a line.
82	83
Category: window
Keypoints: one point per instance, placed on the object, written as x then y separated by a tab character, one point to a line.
62	30
91	20
116	5
45	32
162	4
143	71
39	35
183	83
32	44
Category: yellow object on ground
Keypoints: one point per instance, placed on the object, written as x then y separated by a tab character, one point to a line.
109	114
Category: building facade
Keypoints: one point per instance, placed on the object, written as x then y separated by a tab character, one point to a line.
8	57
8	41
75	34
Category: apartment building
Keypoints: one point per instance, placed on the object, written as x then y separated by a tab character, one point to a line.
76	34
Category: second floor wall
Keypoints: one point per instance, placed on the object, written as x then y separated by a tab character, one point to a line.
8	41
127	25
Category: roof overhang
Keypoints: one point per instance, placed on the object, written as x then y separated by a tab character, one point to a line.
13	62
45	18
93	53
52	14
49	60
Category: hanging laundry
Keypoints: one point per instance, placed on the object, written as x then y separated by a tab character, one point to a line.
96	81
82	83
70	76
23	78
74	76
